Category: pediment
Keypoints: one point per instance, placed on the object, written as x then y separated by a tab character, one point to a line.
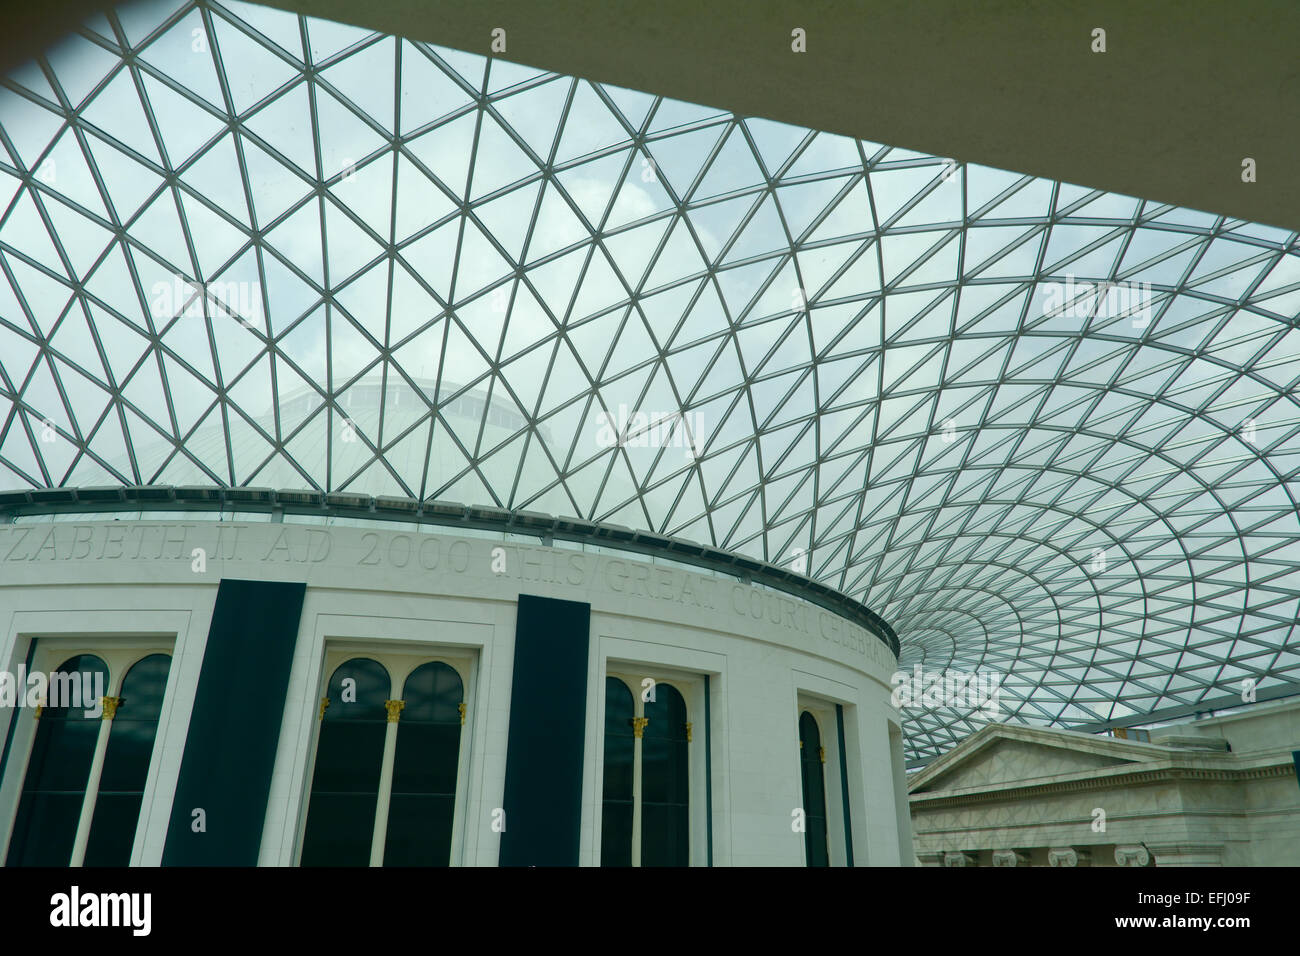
1004	758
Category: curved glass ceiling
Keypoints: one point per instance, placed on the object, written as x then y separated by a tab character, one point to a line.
1045	431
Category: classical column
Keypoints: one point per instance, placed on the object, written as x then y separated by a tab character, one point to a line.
638	730
1132	856
961	859
109	711
1067	856
394	708
1010	858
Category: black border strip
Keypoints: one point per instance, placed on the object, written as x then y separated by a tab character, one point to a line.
708	772
844	785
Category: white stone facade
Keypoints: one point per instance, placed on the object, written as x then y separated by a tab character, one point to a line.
96	582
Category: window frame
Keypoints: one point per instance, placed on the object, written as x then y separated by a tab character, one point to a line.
691	686
119	653
823	711
400	659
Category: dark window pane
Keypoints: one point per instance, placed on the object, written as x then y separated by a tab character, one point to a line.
616	810
433	692
357	691
419	830
426	758
339	830
112	835
348	757
45	829
62	753
126	763
618	768
350	752
616	833
812	773
54	786
664	835
665	781
424	769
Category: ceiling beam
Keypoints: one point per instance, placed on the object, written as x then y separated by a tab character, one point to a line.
1183	94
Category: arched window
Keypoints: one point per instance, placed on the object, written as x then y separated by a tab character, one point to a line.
811	764
126	762
423	802
345	785
54	789
616	814
646	811
384	789
665	822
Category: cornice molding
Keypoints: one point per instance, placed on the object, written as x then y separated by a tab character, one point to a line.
941	800
450	515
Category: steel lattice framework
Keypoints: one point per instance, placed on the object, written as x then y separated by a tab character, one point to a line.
1045	431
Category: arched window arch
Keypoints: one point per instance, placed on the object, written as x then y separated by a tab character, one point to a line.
345	784
617	807
646	805
812	760
423	802
126	762
54	788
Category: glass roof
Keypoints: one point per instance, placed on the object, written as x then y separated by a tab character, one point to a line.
1046	431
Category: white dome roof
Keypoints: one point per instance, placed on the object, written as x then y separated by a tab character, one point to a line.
897	368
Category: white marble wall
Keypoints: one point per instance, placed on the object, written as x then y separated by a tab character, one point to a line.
763	651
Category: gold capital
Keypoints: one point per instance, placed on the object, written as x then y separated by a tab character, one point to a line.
394	708
111	704
638	726
461	708
821	754
688	731
324	704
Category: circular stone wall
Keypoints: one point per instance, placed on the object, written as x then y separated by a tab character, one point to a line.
742	662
